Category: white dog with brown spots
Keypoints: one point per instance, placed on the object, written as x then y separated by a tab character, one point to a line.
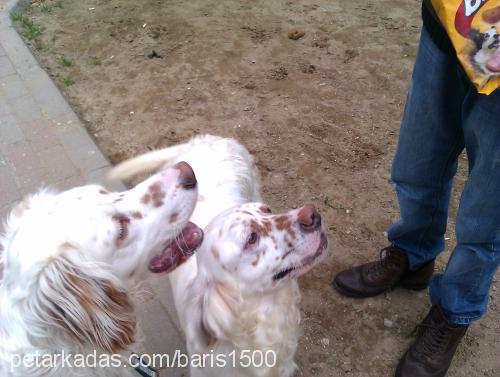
238	297
70	263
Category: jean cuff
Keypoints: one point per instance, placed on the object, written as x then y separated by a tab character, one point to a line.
459	320
455	319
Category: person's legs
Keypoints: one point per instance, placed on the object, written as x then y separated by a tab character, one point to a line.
462	290
429	144
460	294
431	138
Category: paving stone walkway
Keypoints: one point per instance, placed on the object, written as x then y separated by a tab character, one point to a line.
43	143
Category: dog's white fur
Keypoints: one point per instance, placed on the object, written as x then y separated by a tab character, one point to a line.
226	297
70	263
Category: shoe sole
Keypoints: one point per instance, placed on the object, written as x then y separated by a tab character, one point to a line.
347	293
412	287
351	294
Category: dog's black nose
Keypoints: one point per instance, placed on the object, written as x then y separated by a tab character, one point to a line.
309	219
187	178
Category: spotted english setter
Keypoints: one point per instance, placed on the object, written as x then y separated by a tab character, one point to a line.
239	294
71	261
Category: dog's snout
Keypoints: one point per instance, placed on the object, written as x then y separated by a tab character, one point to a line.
309	219
187	177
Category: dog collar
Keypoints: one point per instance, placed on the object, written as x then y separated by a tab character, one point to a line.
143	370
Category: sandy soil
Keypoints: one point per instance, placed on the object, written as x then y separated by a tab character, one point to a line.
320	114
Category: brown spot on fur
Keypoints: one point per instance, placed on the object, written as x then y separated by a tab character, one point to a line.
137	215
215	252
157	194
146	198
259	228
117	200
124	222
104	192
173	218
256	261
292	233
154	187
158	199
220	233
264	209
268	225
121	217
282	222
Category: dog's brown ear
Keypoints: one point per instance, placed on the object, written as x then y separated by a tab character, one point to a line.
87	302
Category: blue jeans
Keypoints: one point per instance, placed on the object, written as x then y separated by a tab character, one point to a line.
443	115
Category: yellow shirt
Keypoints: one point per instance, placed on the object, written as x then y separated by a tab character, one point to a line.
474	29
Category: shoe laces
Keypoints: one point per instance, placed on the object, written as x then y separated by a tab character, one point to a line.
387	259
433	339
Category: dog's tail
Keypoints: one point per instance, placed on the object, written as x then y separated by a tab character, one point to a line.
147	162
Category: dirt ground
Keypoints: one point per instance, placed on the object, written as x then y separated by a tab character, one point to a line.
320	114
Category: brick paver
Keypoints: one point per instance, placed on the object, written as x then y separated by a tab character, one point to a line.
43	143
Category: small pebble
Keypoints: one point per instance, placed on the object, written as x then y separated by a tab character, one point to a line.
346	367
296	34
325	342
388	323
357	307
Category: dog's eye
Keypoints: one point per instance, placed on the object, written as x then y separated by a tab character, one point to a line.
265	209
252	239
123	222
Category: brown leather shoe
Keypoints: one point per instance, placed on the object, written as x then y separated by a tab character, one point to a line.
373	278
431	353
